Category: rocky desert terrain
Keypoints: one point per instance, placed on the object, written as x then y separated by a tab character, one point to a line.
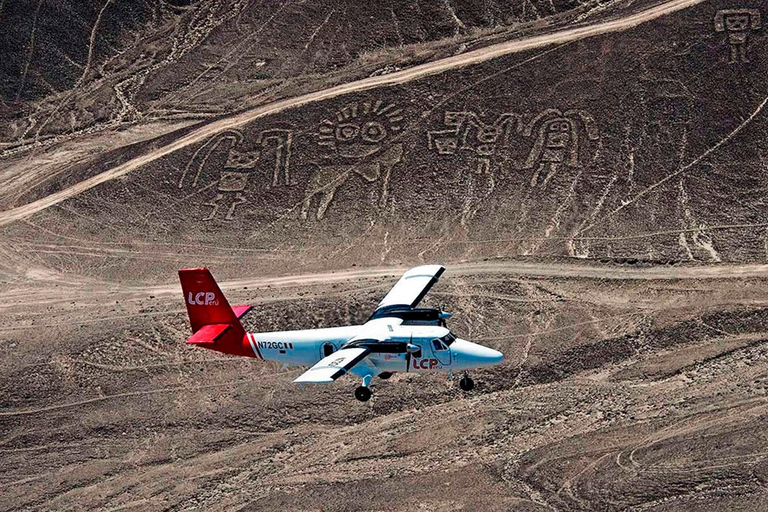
590	172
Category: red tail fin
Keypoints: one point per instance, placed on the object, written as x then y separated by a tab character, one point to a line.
215	324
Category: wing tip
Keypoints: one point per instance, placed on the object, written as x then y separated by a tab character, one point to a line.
299	380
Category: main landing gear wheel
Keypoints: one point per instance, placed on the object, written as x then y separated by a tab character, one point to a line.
363	393
466	383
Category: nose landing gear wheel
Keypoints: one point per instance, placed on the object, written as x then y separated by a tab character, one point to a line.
363	393
466	383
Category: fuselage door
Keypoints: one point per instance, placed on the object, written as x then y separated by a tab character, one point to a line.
328	349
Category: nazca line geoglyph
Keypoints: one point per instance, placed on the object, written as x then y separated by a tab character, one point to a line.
737	24
559	138
356	142
241	164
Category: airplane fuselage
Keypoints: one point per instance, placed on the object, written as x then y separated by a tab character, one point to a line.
307	347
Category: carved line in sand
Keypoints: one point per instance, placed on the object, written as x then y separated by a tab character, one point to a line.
240	165
357	142
738	23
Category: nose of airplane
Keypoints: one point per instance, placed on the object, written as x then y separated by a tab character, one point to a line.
478	354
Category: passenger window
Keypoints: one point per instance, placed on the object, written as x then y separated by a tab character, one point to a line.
328	349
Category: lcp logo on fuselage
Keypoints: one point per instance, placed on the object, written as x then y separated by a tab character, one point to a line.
425	364
202	299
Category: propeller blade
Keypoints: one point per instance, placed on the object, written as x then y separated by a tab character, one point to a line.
408	357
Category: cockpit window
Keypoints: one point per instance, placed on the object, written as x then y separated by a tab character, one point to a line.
448	339
437	344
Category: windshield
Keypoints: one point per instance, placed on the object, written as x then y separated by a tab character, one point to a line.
448	338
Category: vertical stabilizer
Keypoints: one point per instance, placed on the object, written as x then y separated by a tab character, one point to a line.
215	324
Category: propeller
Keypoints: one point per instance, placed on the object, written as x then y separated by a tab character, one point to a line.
443	315
408	355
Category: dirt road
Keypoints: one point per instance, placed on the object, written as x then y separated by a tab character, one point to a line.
414	73
502	267
97	292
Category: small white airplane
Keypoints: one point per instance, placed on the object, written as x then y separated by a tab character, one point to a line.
398	337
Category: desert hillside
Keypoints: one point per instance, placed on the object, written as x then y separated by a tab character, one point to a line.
83	65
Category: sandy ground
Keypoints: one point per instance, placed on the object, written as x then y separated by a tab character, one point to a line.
622	388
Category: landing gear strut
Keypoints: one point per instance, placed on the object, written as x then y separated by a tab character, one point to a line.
466	383
363	393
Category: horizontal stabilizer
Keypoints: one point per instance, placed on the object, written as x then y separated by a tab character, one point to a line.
241	310
208	334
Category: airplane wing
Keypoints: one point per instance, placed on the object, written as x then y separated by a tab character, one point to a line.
334	366
412	287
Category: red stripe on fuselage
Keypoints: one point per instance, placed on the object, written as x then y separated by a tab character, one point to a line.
254	346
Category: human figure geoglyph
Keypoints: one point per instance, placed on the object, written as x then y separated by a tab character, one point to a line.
738	23
557	142
240	165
